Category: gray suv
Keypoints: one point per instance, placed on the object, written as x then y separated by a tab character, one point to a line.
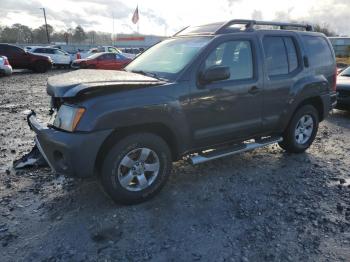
207	92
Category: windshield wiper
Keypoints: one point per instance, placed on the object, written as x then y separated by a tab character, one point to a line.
154	75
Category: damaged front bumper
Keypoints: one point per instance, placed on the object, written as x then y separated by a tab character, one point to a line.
72	154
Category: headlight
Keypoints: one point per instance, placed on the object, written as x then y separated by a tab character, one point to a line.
68	117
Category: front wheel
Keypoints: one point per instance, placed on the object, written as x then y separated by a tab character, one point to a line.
136	168
301	130
41	67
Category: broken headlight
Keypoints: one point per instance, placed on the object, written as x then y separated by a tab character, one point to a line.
68	117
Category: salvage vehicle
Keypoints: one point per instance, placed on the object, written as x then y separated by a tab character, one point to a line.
5	67
21	59
209	91
343	90
107	61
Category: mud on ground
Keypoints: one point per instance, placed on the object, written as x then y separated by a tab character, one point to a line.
265	205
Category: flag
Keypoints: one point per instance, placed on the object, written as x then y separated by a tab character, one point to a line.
135	17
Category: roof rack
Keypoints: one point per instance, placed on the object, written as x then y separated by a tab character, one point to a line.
249	25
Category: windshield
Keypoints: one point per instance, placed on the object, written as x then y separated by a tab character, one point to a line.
346	72
169	57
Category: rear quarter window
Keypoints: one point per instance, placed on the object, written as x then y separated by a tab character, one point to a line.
318	50
280	54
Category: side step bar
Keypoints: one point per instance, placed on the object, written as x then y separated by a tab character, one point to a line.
215	154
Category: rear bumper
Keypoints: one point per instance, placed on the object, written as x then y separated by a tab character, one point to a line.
72	154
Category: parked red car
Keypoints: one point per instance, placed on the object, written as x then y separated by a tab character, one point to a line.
109	61
21	59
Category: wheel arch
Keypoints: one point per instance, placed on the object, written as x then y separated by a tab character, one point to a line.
316	102
159	129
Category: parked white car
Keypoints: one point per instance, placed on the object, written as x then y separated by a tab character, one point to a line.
5	67
58	56
102	49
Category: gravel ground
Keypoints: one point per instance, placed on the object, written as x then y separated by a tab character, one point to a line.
264	205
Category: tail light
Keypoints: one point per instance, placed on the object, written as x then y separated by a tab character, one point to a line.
334	87
6	62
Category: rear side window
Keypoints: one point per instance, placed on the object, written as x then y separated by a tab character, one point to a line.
237	55
319	52
291	53
280	55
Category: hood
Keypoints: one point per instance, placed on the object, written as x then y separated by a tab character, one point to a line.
86	80
343	82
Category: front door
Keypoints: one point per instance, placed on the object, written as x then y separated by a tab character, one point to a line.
229	109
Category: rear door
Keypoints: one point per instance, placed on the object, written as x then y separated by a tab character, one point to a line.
104	61
230	109
110	61
283	68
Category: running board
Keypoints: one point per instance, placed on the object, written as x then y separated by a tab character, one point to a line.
215	154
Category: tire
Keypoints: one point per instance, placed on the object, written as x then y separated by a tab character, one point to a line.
123	162
41	67
300	133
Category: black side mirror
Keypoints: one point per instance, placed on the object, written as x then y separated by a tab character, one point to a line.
215	73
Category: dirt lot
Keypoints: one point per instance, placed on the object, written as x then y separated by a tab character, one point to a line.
264	205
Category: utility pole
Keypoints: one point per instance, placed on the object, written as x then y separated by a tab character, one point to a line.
113	29
47	30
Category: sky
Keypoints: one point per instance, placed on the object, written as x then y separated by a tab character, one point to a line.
165	17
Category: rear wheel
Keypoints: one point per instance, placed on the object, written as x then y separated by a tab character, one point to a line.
301	130
136	168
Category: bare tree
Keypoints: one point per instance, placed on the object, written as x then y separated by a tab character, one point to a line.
324	28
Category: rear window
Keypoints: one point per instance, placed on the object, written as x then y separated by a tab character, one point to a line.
281	55
319	52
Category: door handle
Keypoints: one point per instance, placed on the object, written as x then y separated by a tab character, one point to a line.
253	90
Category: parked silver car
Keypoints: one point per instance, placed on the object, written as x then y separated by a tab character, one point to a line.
5	67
